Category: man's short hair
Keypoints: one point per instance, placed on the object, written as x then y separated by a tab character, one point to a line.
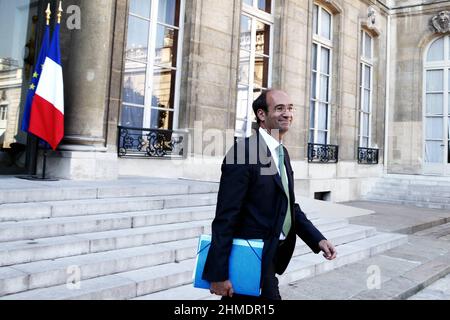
261	103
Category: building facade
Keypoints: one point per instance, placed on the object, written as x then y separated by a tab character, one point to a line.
163	87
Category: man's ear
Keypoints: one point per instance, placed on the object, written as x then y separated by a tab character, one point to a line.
261	115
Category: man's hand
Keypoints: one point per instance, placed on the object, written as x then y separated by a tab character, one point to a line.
329	251
224	288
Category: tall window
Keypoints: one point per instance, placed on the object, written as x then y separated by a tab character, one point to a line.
321	76
365	89
152	64
437	102
3	112
255	63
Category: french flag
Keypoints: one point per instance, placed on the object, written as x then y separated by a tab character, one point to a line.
47	109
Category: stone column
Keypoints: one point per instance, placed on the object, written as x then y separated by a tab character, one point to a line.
86	58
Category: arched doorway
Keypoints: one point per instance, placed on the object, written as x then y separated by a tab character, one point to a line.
436	107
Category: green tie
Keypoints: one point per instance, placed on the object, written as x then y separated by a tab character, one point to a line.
284	180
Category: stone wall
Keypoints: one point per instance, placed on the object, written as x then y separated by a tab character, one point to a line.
411	35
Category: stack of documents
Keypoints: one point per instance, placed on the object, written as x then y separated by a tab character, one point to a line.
244	268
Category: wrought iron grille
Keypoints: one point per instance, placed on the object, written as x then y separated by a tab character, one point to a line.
151	143
367	156
323	153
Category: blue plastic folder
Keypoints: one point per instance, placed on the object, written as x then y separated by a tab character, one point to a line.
244	268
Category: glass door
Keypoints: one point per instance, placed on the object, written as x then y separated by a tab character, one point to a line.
19	26
436	108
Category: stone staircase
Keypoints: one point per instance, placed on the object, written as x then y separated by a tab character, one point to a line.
134	239
421	191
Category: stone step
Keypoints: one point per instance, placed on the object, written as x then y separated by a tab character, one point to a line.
425	197
420	180
126	285
25	251
300	267
412	188
28	276
431	205
84	191
54	227
75	208
45	274
338	237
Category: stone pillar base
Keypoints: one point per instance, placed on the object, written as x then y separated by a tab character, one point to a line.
78	165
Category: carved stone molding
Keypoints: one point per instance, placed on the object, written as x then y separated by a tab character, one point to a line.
371	17
441	22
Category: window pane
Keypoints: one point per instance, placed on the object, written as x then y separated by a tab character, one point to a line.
322	137
244	67
264	5
262	38
435	103
365	142
168	12
163	87
161	119
433	152
311	136
436	51
435	80
314	85
361	75
141	7
323	116
314	57
132	116
3	113
366	105
365	125
242	102
434	128
137	39
325	28
312	114
325	61
367	74
246	27
315	19
368	46
261	72
134	83
249	2
324	86
166	46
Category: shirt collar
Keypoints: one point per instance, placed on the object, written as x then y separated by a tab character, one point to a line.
271	142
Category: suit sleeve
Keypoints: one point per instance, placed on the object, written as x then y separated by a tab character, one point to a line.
232	192
306	230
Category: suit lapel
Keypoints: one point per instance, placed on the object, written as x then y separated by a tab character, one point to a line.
287	163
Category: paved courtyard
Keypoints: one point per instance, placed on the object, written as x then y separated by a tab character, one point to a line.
417	270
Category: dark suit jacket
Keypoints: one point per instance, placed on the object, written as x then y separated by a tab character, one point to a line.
252	204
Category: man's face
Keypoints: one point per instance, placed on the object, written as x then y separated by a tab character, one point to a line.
278	117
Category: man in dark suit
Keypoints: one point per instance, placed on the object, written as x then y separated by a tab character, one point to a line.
256	201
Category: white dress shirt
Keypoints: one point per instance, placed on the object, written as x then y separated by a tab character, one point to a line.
273	144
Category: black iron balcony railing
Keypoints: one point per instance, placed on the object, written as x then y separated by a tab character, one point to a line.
367	156
151	143
324	153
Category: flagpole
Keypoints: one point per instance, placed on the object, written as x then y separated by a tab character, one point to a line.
48	13
44	162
